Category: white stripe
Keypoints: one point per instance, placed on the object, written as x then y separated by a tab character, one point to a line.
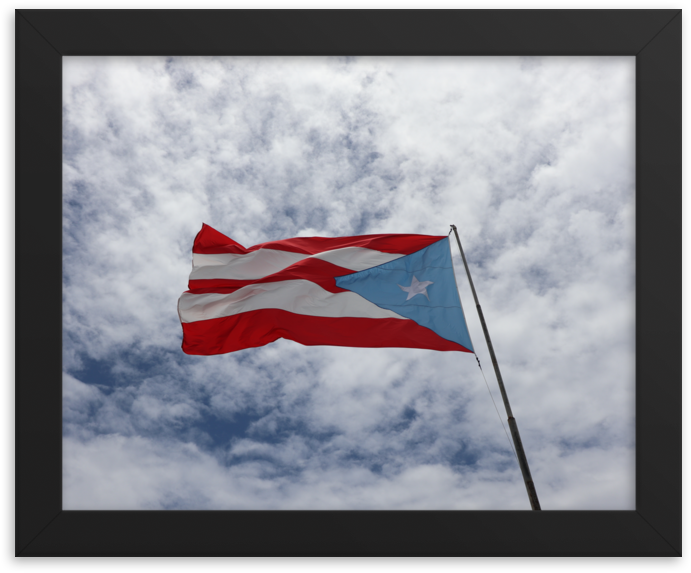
299	297
356	258
264	262
254	265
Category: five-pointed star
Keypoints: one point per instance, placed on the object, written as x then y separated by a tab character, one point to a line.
416	287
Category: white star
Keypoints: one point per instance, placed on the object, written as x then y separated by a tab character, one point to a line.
416	287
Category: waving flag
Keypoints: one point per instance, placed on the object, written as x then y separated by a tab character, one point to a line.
365	291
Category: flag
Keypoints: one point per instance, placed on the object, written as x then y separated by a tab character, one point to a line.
364	291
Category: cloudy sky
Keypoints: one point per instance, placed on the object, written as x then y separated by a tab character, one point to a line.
531	158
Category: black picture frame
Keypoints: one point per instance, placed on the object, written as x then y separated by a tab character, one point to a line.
44	36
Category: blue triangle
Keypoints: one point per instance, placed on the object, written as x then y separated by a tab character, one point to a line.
439	310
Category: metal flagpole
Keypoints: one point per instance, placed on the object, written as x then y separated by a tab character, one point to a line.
520	452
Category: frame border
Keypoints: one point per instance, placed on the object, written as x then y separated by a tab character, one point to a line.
42	528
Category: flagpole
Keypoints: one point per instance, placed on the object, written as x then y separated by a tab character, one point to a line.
518	444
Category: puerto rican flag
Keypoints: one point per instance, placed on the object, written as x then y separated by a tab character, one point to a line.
365	291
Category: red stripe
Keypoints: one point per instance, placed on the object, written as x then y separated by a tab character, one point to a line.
210	242
315	270
260	327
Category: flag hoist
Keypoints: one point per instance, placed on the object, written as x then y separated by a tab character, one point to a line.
518	444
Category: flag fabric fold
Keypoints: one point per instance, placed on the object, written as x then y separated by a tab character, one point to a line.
363	291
